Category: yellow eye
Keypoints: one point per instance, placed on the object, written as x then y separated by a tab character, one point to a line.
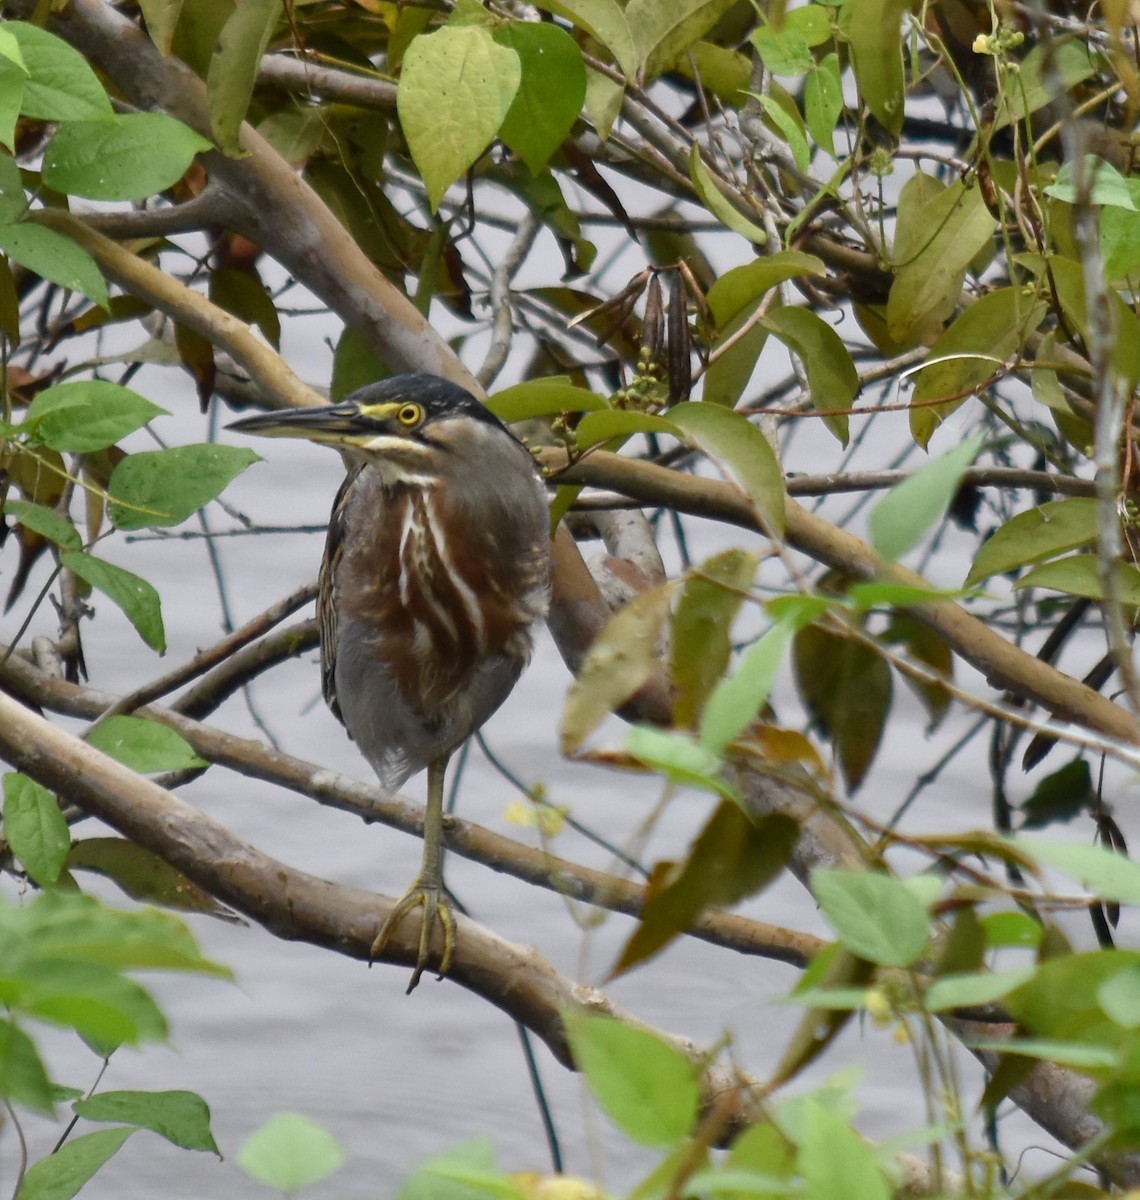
410	414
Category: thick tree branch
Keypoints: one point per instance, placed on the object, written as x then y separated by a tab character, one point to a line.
465	838
1004	665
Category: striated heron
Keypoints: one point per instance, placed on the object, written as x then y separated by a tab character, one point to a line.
435	573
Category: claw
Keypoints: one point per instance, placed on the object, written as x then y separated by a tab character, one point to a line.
428	897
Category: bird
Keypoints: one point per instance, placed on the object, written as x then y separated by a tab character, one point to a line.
434	582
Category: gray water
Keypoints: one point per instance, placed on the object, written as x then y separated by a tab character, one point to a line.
399	1079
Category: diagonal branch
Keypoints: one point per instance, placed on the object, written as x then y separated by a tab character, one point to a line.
465	838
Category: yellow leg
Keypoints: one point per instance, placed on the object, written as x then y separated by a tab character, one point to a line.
426	891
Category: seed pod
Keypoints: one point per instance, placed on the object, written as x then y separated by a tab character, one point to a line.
653	326
680	362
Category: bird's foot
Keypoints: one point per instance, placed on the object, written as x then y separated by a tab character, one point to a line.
429	897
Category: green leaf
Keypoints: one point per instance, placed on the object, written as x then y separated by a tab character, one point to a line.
924	645
648	1089
733	300
969	354
34	828
1066	277
823	101
23	1079
1061	1001
1016	929
233	68
46	522
700	647
603	100
77	928
456	86
137	598
63	1174
1041	532
289	1152
662	33
733	857
10	49
143	876
144	746
676	757
435	1179
134	157
60	85
875	916
1119	998
718	203
355	364
967	990
13	198
737	699
620	659
783	51
543	398
904	516
164	487
238	292
181	1117
604	21
723	72
935	244
86	415
1079	575
832	378
1120	236
97	1001
161	20
789	127
738	290
871	27
1103	872
551	92
867	596
846	686
1103	183
55	258
835	1162
1060	796
1062	61
733	440
762	1147
598	427
12	80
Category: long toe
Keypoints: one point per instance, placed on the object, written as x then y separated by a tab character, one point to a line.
435	907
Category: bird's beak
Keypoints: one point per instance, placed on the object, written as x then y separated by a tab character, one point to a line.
335	424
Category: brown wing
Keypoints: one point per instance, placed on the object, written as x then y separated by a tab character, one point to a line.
326	594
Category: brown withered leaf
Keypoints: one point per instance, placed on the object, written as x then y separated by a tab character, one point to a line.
733	857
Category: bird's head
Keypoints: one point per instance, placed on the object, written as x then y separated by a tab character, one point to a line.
410	425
